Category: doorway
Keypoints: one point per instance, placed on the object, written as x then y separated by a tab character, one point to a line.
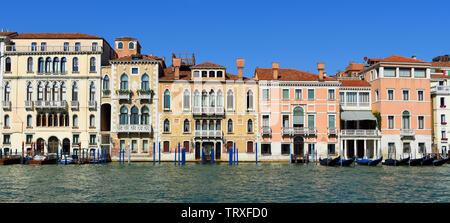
52	145
66	146
299	146
105	117
218	150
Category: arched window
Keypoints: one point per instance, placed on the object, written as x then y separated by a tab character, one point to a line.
29	91
75	64
75	91
75	121
204	99
8	64
131	45
63	65
92	91
249	100
145	116
230	101
197	125
230	126
186	99
92	121
56	65
123	119
30	64
7	92
406	120
219	99
63	91
204	125
298	117
218	124
48	92
124	82
106	82
212	99
196	98
40	94
249	126
29	120
48	65
167	99
166	125
55	92
186	126
134	117
6	121
92	64
38	119
145	82
41	65
120	45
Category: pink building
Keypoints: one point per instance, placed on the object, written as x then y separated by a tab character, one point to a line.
299	113
400	90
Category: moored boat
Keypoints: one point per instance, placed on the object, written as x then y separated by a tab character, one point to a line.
345	162
415	162
427	161
404	161
329	161
440	162
368	162
391	162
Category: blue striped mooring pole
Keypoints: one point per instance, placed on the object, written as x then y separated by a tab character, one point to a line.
159	152
179	154
183	156
153	153
256	152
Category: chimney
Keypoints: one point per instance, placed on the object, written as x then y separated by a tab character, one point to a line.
176	62
320	67
414	57
275	67
240	65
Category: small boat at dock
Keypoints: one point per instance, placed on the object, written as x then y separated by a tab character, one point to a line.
345	162
415	162
427	161
391	162
10	159
440	162
368	162
404	161
329	161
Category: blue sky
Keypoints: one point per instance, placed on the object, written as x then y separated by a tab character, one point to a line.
297	34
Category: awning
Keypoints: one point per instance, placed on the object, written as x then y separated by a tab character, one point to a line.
357	116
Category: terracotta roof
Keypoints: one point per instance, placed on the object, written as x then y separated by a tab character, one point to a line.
354	83
208	65
355	66
143	57
396	58
289	75
7	33
125	38
185	74
439	76
56	36
440	64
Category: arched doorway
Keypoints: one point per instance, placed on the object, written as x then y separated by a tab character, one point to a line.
39	146
299	146
66	146
105	117
52	145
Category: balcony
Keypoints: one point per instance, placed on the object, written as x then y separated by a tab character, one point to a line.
443	123
106	139
208	133
29	105
51	72
145	96
53	49
219	111
332	131
50	104
124	94
134	128
74	105
287	131
6	105
266	130
360	132
312	131
440	90
355	105
300	131
92	105
407	132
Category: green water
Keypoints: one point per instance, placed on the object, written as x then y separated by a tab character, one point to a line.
143	182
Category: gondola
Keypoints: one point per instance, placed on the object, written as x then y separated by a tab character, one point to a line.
391	162
404	161
428	161
329	161
367	162
440	162
345	162
415	162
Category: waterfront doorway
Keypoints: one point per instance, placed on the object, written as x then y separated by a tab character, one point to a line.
197	150
106	117
360	148
299	146
66	146
218	150
52	145
350	148
207	147
39	146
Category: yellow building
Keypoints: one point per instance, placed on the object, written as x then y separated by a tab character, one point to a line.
204	107
50	90
128	105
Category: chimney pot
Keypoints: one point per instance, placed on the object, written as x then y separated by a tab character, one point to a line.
414	57
320	67
176	62
240	65
275	67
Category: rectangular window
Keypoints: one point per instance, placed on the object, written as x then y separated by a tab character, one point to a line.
390	95
389	72
405	95
298	94
405	72
442	102
166	148
77	46
76	139
285	149
443	119
249	146
94	46
310	94
145	146
265	149
364	98
331	121
331	149
92	139
43	46
341	97
420	95
133	146
443	135
419	72
390	122
186	146
204	73
406	147
330	94
33	46
285	94
29	139
421	147
266	95
6	139
421	122
311	123
377	95
134	70
66	46
196	73
285	121
265	121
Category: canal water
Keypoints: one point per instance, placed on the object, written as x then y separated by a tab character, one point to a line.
264	182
